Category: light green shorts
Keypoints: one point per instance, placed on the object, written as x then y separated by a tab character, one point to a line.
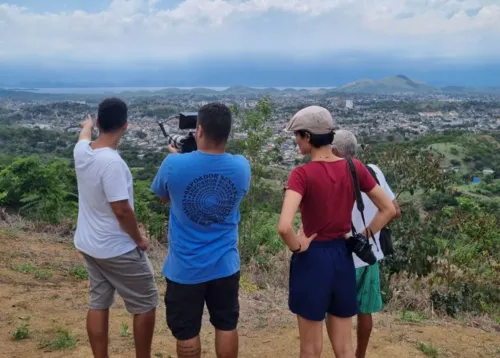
368	289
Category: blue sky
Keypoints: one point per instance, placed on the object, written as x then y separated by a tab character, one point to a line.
92	6
41	6
140	34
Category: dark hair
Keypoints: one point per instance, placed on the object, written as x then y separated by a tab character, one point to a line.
112	114
215	118
317	140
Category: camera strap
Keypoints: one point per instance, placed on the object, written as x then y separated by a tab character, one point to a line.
357	196
372	172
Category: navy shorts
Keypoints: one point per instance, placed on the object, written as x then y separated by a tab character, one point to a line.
323	280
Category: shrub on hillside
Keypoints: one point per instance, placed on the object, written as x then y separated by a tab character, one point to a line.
39	190
456	248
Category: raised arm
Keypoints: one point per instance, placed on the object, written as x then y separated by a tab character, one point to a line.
87	127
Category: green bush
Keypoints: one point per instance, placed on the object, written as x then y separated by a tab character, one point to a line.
39	190
259	239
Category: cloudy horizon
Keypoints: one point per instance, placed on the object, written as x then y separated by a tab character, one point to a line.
140	34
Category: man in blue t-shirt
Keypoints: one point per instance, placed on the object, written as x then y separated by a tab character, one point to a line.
205	188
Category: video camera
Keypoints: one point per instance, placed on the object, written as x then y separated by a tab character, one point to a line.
187	143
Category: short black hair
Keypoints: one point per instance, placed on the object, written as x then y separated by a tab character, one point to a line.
112	114
215	118
317	140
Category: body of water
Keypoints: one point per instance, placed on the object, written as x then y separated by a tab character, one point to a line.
103	90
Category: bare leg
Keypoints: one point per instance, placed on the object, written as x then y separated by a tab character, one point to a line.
97	329
364	330
311	338
226	343
339	332
190	348
144	326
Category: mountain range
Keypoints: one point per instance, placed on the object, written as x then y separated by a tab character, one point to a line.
387	85
403	84
399	83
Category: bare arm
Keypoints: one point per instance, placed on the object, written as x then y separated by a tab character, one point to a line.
398	209
115	187
285	226
87	126
126	217
386	210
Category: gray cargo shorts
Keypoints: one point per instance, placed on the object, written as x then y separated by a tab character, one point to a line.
130	274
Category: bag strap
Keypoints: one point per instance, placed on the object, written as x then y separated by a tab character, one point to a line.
372	172
359	200
357	192
374	175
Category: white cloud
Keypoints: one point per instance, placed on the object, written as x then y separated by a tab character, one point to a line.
131	30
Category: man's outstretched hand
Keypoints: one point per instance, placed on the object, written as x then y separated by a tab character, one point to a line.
88	123
87	127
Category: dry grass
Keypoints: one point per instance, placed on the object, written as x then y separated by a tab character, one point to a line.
409	293
267	329
411	297
273	274
15	223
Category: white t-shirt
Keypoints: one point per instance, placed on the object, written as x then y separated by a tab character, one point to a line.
103	178
370	212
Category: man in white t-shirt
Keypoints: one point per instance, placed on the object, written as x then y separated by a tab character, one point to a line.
107	233
367	277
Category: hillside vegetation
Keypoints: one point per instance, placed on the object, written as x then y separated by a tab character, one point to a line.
447	261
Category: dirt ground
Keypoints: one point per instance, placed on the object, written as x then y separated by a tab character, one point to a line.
40	280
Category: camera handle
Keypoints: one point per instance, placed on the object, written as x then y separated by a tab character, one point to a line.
163	129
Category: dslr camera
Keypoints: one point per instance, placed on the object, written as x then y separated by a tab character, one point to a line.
360	245
184	143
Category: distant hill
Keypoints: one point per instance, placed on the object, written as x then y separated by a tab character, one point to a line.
403	84
387	85
399	83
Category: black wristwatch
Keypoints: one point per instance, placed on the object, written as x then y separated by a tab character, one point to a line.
298	250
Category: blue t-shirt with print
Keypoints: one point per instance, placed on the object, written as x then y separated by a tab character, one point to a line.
205	192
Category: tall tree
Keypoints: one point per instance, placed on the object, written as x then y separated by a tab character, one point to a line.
255	147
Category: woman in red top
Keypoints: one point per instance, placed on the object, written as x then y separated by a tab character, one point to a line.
322	274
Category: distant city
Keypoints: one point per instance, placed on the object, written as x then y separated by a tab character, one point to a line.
393	108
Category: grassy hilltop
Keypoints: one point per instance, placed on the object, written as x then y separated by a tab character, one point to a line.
444	277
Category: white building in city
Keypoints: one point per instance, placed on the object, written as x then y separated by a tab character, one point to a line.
349	104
